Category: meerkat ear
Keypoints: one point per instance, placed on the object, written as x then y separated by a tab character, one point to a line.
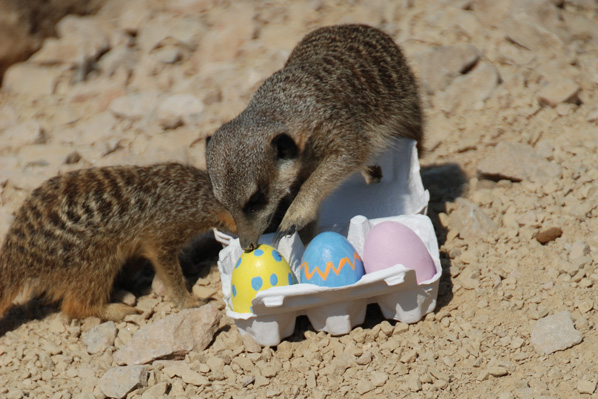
208	140
284	147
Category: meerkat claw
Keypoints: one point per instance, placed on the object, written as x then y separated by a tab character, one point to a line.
284	233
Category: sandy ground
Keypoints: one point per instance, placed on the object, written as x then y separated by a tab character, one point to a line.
510	92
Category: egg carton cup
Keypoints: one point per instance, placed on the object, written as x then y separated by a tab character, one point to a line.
399	196
335	310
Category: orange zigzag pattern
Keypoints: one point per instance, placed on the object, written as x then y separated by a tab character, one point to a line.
330	265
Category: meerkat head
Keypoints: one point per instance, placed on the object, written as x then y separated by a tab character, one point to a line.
252	169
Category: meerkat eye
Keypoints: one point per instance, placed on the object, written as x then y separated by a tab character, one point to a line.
256	202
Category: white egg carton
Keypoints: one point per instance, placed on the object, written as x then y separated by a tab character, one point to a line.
399	197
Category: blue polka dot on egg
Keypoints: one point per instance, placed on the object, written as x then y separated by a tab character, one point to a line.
234	290
291	279
273	279
238	263
276	255
256	283
258	252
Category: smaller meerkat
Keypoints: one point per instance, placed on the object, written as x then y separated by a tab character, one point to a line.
73	235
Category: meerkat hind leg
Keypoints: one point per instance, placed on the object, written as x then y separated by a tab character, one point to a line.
78	308
168	269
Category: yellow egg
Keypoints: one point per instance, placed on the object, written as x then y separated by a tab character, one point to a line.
255	271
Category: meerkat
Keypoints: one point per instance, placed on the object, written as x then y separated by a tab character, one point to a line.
344	94
73	235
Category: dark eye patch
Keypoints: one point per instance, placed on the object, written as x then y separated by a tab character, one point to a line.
256	202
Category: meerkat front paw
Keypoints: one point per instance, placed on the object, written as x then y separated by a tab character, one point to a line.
117	311
290	223
372	174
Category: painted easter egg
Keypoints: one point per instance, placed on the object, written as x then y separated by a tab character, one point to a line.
390	243
255	271
330	261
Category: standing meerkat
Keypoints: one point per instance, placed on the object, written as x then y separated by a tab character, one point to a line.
73	235
345	93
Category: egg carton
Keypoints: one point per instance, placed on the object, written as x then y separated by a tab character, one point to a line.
399	197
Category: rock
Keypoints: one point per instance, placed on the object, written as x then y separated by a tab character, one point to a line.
578	249
31	79
134	106
586	387
223	42
178	109
531	35
378	378
439	66
469	220
132	17
364	386
167	54
491	12
100	337
119	381
592	116
95	96
216	364
247	380
589	66
46	155
81	40
268	370
118	58
561	91
174	368
364	359
260	381
173	336
204	291
155	391
8	117
554	333
550	234
413	383
498	371
469	89
189	6
250	344
194	378
469	278
517	162
163	28
15	137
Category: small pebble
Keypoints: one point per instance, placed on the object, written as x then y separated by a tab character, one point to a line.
547	235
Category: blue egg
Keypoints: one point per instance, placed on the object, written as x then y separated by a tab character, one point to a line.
330	261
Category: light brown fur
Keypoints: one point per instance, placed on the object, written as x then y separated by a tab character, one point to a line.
73	234
345	93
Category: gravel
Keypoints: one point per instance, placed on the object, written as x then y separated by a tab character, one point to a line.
518	237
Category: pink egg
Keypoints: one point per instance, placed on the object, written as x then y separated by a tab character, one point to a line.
391	243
